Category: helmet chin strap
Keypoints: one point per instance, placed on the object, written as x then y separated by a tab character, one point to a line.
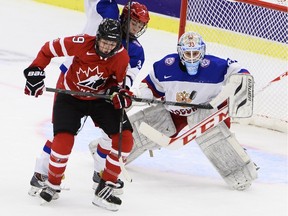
192	68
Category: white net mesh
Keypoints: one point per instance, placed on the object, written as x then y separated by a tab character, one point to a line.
257	38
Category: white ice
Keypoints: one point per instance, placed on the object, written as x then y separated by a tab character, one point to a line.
180	182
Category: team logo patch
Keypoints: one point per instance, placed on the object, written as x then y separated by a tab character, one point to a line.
91	78
169	61
185	96
205	62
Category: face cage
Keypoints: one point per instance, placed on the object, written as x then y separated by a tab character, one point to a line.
107	55
131	36
141	32
191	63
192	56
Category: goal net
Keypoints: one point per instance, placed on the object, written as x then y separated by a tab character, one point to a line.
254	33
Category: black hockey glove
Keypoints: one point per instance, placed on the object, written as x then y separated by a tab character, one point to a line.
121	98
34	81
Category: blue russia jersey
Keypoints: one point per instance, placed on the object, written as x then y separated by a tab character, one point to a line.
135	52
169	78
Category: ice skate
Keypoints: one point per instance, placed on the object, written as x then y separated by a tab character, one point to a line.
104	197
49	191
37	183
119	187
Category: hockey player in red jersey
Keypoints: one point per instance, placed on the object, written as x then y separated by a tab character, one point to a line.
100	147
99	66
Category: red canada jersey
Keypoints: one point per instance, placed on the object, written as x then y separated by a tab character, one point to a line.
88	72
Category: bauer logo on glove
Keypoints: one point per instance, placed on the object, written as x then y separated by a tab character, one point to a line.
34	81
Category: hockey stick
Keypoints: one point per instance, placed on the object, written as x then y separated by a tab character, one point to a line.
154	101
143	100
121	163
274	80
89	94
196	131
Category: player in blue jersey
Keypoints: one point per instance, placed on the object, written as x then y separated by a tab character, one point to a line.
96	11
192	76
101	146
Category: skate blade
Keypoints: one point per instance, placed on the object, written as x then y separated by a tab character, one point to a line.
105	205
43	202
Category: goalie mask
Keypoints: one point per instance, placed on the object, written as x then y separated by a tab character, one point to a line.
191	49
139	19
110	31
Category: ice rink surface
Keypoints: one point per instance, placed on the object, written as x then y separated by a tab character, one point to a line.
180	182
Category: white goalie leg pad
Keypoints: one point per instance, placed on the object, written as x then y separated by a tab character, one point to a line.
228	157
199	116
99	160
157	117
42	163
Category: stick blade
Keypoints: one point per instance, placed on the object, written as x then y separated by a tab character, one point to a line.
154	135
124	171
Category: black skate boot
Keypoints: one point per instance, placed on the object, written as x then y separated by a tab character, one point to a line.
118	190
49	191
37	183
104	198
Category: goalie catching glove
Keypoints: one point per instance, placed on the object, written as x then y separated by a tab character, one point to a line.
121	98
34	81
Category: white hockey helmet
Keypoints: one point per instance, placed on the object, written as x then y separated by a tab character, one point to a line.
191	49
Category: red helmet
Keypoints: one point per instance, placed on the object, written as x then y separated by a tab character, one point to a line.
139	12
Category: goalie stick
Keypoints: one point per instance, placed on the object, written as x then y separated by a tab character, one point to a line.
274	80
163	140
194	132
104	96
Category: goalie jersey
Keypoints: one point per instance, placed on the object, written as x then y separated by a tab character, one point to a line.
170	79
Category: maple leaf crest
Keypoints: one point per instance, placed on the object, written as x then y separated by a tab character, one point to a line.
92	82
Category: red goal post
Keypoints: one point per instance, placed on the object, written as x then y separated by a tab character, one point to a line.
255	33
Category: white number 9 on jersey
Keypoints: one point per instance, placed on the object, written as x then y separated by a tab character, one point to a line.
78	39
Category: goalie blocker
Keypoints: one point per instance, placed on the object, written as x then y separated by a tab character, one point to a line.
216	141
240	93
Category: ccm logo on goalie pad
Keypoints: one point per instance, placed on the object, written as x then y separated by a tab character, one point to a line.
202	127
177	142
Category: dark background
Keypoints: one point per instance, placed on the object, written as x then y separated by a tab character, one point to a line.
166	7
